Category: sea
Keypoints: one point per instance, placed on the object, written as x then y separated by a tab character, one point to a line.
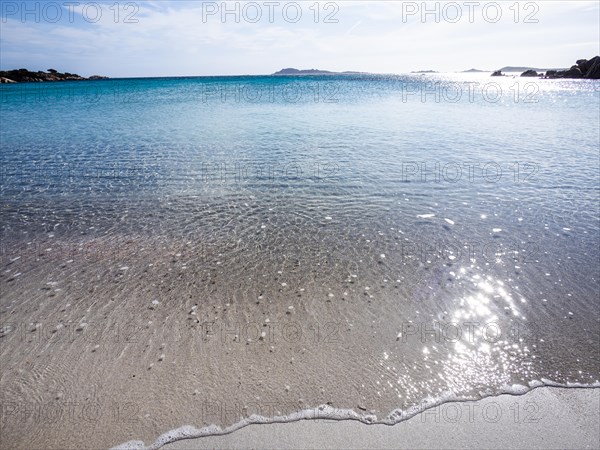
215	251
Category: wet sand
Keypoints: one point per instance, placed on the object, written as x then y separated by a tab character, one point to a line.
548	417
98	352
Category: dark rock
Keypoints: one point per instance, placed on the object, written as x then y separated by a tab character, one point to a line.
573	72
585	68
593	72
498	73
583	65
26	76
586	64
530	73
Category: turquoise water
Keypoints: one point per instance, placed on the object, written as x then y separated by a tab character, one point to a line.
388	203
330	140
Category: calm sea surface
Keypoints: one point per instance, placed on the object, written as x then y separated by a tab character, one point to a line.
436	236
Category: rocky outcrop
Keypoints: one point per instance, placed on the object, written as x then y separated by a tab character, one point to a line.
4	80
26	76
593	72
498	73
584	68
574	72
530	73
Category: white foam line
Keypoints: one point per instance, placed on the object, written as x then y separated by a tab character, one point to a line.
331	413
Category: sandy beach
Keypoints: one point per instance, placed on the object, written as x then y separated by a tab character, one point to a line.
120	347
548	418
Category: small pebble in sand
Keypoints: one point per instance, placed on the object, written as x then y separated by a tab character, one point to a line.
161	357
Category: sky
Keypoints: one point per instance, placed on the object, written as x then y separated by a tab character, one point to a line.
189	38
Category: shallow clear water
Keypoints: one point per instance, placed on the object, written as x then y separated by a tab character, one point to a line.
431	236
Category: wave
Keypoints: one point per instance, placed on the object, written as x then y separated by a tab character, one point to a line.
330	413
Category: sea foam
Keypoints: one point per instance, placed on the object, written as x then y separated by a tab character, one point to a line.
337	414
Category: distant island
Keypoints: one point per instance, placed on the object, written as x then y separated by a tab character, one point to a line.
524	69
27	76
583	68
292	71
